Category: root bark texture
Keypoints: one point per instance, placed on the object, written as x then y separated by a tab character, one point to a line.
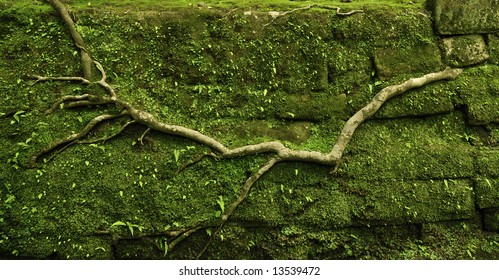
278	151
301	9
86	60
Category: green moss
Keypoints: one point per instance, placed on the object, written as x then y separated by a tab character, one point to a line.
487	192
491	219
411	149
430	100
231	77
410	201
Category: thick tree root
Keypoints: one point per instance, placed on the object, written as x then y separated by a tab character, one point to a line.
301	9
219	150
73	137
86	60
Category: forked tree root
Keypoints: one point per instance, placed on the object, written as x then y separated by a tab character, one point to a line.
219	151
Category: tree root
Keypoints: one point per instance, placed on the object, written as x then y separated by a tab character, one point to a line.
219	150
242	196
73	137
86	61
326	7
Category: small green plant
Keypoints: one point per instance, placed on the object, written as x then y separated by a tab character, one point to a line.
14	161
162	244
16	117
221	204
130	226
250	244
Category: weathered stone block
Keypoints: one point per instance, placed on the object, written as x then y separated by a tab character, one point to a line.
478	94
312	106
297	132
463	51
391	62
409	149
493	41
465	17
398	201
429	100
491	219
488	163
487	192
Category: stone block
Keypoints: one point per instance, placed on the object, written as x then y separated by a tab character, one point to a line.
410	148
312	106
400	202
487	192
461	51
491	219
465	17
297	132
429	100
493	41
487	163
391	62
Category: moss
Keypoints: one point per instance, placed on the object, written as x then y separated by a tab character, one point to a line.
460	51
430	100
410	201
411	149
493	47
454	17
491	219
487	193
488	162
313	106
228	76
389	63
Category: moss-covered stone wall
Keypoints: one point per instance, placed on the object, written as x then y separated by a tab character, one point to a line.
418	181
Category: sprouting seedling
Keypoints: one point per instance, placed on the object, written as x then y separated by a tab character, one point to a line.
221	204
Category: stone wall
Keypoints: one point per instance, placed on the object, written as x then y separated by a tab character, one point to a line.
419	180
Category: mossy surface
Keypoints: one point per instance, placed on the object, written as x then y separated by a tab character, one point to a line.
421	161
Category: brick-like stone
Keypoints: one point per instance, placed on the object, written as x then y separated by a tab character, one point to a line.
399	201
297	132
465	17
391	62
313	107
493	40
461	51
487	192
491	219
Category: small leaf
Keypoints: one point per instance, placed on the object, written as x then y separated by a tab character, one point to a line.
166	248
130	227
176	153
221	203
10	198
488	182
118	223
